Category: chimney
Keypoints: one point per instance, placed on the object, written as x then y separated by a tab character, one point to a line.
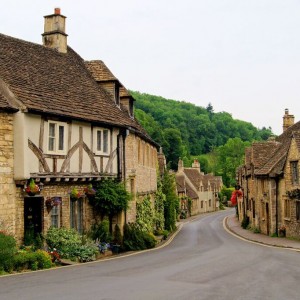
54	35
180	165
288	120
196	164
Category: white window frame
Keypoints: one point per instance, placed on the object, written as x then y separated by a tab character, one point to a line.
101	151
56	137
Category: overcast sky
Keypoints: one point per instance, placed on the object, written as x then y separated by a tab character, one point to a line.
242	56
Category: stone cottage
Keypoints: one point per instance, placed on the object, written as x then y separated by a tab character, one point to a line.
200	189
270	181
61	130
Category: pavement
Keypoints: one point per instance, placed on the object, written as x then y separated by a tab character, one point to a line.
233	225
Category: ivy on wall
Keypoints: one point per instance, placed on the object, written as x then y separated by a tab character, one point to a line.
145	215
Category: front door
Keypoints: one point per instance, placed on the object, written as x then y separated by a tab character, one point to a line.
33	212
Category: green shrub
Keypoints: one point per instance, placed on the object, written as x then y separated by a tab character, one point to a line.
87	252
118	239
70	244
43	259
135	239
7	252
65	240
26	259
101	231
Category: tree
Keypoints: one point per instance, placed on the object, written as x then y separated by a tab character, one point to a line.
173	147
230	156
110	199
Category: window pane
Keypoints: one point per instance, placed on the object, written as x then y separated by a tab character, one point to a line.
51	142
98	140
105	141
54	216
294	167
61	138
51	130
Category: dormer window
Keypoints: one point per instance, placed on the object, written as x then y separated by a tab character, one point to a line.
56	137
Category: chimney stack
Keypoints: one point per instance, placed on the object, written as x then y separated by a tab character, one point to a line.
288	120
196	164
54	35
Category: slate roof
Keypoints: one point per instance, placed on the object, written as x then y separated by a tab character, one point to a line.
269	158
183	186
100	71
46	81
194	176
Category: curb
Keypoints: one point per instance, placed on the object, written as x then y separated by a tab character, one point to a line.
253	241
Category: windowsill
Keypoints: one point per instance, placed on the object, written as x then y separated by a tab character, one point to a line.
287	219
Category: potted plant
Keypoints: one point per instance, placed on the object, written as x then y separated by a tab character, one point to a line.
75	195
54	201
89	191
32	189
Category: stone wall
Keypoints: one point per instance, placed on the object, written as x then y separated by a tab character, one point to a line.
141	173
7	186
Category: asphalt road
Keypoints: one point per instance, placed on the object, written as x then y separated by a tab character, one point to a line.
202	262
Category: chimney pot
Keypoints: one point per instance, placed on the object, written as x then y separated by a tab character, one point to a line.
57	11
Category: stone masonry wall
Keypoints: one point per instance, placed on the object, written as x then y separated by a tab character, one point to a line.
141	176
7	186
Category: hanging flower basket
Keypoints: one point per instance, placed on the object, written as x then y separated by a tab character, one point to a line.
32	189
90	191
54	201
75	195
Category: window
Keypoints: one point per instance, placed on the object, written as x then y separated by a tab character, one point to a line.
201	204
101	141
55	220
56	137
209	202
298	210
294	171
76	215
287	208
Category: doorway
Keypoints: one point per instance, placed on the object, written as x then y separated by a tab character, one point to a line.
33	218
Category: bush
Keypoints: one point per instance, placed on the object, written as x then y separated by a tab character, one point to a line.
67	241
70	244
135	239
101	231
7	252
118	239
25	259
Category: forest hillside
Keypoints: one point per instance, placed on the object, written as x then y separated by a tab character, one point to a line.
187	131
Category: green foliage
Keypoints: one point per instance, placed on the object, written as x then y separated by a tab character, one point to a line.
196	129
135	239
101	231
70	244
225	194
145	215
27	259
230	156
118	239
159	203
171	208
7	252
111	198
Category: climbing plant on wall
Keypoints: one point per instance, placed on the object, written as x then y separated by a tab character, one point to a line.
159	204
145	215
